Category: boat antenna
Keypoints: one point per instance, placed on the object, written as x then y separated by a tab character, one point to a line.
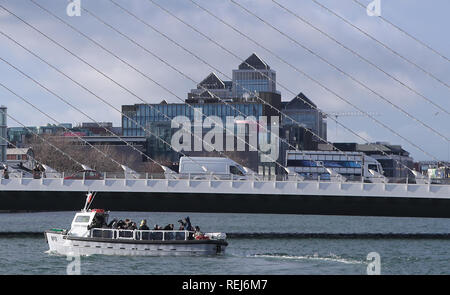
89	198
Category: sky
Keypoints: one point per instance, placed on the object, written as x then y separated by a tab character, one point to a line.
426	20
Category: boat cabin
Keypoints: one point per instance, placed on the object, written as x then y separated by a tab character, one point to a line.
85	220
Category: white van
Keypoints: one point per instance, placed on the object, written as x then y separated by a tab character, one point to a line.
217	167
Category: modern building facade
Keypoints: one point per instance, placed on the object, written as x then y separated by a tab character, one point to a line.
155	123
251	95
21	136
393	158
302	111
437	171
3	133
211	89
253	76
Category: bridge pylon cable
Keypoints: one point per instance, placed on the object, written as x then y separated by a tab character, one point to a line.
304	74
191	79
351	77
382	44
115	82
242	60
199	58
77	109
148	78
366	60
255	148
56	121
16	147
42	139
407	34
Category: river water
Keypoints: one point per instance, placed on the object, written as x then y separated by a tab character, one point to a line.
248	253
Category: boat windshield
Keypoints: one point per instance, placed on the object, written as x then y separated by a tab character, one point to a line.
82	219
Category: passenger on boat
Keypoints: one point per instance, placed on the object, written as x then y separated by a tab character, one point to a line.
119	225
132	226
97	222
182	224
157	227
188	225
143	225
198	235
168	227
113	223
5	173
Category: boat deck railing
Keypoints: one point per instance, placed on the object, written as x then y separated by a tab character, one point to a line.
142	235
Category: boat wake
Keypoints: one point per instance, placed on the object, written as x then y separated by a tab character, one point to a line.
330	258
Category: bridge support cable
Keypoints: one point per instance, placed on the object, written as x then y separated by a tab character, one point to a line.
16	147
42	139
301	72
196	56
160	58
354	52
54	120
153	81
351	77
381	43
242	60
274	160
190	52
407	34
103	100
75	108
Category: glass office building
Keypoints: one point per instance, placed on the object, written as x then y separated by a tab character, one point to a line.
154	122
156	114
216	97
302	111
253	76
211	89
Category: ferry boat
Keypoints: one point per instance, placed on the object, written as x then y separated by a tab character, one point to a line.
86	238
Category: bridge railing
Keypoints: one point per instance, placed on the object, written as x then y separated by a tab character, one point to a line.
220	177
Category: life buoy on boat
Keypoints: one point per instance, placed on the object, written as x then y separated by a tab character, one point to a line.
201	237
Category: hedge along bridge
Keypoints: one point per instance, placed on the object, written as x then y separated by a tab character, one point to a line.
229	196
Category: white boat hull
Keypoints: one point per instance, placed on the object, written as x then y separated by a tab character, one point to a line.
65	245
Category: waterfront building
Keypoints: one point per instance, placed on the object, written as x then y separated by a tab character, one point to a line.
436	170
393	158
216	97
20	157
302	111
152	119
210	90
253	76
21	136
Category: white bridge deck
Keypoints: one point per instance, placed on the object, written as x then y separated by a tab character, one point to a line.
251	187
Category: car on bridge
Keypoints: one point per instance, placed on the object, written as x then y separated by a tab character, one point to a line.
86	174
